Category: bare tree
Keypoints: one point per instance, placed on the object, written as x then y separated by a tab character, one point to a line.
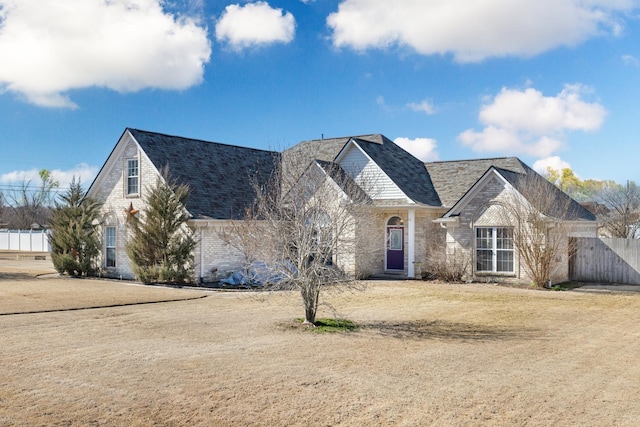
304	229
32	204
541	216
2	209
622	214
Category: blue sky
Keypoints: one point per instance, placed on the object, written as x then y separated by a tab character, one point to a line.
554	82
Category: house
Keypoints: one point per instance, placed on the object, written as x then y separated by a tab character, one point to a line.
415	208
219	176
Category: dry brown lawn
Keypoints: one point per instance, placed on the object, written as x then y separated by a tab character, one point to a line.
427	354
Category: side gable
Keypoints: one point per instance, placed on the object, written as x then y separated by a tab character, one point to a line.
110	177
219	175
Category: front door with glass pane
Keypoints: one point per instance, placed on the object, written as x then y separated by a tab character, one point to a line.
395	248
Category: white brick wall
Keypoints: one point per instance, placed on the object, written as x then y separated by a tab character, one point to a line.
485	209
214	259
112	194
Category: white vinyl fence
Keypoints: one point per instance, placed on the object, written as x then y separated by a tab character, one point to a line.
24	240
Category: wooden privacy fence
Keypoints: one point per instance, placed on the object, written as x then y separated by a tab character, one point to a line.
605	260
24	240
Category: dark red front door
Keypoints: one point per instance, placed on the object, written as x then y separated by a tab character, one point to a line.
395	248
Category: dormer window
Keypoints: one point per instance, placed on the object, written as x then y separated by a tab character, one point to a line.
132	177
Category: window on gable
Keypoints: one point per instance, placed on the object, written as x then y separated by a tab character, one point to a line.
110	246
132	177
494	249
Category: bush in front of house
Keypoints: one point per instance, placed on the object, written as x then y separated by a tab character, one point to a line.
161	244
75	233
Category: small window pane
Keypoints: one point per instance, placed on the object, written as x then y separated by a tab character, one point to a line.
110	236
111	257
504	238
396	220
110	246
395	239
484	260
484	238
504	261
132	176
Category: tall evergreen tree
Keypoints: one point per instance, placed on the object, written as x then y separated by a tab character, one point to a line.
161	244
75	238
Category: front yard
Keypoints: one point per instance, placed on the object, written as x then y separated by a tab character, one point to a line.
425	353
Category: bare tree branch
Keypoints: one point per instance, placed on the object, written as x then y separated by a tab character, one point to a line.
305	229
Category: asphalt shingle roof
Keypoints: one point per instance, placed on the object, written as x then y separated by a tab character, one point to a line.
406	171
220	176
452	179
554	202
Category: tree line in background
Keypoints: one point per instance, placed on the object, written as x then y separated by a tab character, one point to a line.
29	205
616	205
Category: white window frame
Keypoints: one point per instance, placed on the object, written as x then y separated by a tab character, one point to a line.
110	245
495	249
130	176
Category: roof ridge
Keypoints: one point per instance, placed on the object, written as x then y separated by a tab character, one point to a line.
344	137
474	160
200	140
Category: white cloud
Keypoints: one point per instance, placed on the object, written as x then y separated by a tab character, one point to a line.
48	48
255	24
83	172
425	106
630	60
553	162
475	30
527	122
421	148
531	111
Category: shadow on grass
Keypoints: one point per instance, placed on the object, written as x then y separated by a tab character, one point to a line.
449	331
16	276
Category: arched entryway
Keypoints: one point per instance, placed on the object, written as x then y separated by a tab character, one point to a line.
395	243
